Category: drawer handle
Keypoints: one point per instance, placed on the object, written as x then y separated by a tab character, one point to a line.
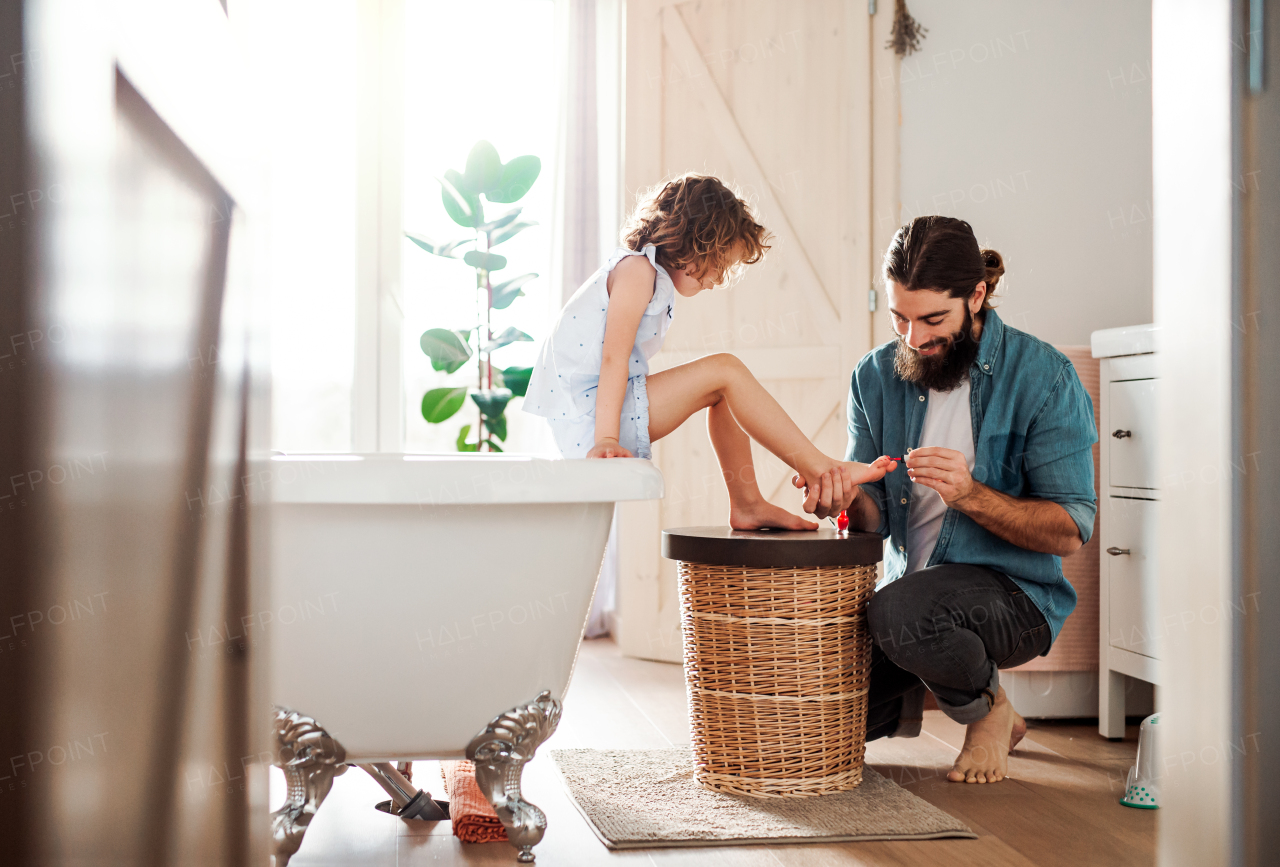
1116	552
1121	434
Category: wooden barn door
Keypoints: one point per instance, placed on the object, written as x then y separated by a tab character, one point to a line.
774	97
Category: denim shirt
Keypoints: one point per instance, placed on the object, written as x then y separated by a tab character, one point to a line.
1033	436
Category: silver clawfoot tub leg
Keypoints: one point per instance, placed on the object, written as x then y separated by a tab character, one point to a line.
310	759
500	753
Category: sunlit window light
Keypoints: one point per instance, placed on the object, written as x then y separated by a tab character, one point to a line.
459	90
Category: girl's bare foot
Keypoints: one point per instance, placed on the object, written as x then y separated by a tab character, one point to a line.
872	472
852	472
762	514
984	758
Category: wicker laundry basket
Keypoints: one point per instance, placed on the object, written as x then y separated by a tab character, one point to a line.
776	655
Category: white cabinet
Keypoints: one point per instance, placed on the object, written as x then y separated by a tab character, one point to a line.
1131	628
1131	434
1129	567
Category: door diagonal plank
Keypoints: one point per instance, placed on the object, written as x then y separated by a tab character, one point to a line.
826	314
783	483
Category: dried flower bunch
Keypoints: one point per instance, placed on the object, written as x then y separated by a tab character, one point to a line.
905	37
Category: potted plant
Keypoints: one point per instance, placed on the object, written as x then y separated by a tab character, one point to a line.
486	178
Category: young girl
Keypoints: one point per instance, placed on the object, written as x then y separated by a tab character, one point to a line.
592	379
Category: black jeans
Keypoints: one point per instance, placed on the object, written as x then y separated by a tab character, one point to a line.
949	628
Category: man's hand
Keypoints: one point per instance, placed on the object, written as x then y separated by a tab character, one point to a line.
944	470
608	448
830	495
1028	522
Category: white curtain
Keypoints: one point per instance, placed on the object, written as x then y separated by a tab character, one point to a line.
588	200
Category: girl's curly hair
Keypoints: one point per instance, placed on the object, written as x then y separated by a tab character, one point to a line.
697	220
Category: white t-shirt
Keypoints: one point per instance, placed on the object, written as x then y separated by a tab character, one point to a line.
949	425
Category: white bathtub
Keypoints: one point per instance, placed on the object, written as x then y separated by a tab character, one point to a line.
417	598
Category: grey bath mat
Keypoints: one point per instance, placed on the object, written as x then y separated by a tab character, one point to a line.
639	799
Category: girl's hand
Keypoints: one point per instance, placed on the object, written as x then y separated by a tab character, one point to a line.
608	449
630	291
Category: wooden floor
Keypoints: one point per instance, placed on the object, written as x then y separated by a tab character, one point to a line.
1060	806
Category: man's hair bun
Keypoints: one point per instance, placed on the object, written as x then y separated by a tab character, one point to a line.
994	264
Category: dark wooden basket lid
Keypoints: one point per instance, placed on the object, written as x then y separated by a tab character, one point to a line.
768	548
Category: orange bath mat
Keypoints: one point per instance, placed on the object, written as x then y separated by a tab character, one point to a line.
474	820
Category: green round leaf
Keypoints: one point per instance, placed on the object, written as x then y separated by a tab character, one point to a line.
517	178
484	169
487	261
440	404
492	401
517	379
506	233
505	293
440	249
501	221
496	426
510	335
460	202
448	350
461	441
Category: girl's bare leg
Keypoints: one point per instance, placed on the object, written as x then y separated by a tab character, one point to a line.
748	509
678	393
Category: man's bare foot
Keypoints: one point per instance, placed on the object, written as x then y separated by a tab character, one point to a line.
1019	731
763	514
984	758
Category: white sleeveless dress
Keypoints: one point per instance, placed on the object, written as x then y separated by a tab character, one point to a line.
562	387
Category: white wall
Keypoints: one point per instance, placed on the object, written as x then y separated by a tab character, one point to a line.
1201	183
1033	122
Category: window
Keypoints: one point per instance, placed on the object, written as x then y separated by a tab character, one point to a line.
363	104
297	53
472	71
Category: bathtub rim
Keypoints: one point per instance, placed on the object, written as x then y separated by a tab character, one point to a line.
444	479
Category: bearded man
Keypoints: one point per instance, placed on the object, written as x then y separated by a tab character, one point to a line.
998	433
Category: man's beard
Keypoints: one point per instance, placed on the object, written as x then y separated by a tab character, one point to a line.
945	369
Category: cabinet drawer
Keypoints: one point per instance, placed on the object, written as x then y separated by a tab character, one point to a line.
1134	621
1132	434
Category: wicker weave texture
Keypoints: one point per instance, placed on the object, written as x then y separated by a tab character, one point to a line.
777	663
